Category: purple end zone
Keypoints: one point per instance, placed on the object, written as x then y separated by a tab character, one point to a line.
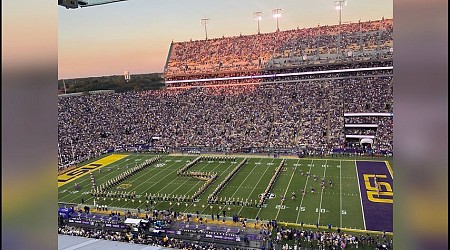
378	211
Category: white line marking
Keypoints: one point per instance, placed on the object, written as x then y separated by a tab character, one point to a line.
306	183
239	185
254	188
189	179
201	182
87	180
321	195
388	166
142	175
340	188
264	205
221	173
293	172
360	198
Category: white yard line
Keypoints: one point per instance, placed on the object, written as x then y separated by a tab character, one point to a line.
386	163
88	180
321	194
259	211
188	179
285	192
340	189
301	202
255	186
144	182
360	198
143	193
197	183
239	185
192	203
98	179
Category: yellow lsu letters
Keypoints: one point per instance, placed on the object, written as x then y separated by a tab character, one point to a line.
381	192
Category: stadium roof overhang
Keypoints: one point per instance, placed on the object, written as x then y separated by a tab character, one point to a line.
73	4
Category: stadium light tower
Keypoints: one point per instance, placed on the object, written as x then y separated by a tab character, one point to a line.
258	16
339	5
205	22
277	14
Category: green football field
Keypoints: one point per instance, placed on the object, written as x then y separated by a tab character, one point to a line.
339	205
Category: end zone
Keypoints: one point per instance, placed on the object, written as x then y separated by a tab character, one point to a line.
376	187
81	171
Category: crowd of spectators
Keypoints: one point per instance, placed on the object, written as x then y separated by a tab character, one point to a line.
359	40
271	236
195	78
138	238
274	79
328	239
298	113
374	94
383	133
360	131
281	115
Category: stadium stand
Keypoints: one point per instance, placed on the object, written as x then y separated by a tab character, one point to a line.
358	41
293	114
262	117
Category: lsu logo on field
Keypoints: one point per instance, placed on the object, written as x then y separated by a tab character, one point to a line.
124	186
380	191
78	172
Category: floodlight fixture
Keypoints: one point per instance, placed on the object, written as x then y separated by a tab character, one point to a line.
339	5
277	14
204	22
258	16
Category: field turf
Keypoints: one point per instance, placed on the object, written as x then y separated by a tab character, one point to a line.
340	205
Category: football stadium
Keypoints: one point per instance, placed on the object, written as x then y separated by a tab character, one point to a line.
280	140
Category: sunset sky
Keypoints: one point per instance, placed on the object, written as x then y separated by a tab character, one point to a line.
135	35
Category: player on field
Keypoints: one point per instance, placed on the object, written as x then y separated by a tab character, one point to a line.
376	185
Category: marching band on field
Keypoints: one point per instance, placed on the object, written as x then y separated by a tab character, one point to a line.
183	171
210	177
272	182
100	191
213	196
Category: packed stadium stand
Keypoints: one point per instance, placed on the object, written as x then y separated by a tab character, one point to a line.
357	42
291	91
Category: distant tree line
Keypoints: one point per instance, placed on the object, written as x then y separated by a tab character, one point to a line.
117	82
